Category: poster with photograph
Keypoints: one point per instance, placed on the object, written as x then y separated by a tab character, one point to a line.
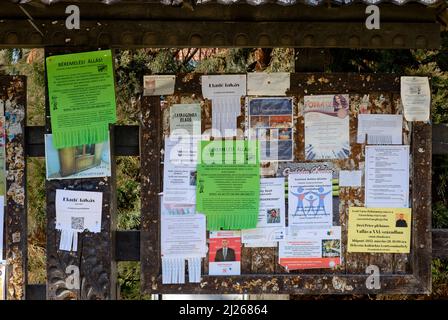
310	201
379	230
271	218
86	161
224	253
158	85
179	176
312	249
327	130
271	122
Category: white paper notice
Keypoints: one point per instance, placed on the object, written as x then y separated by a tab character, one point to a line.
268	84
179	175
350	178
78	210
387	177
271	218
158	85
312	249
310	201
2	224
416	98
185	119
2	279
225	91
327	127
183	236
380	128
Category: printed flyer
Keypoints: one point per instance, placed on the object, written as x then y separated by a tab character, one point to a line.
271	122
310	201
2	226
185	119
79	162
311	249
179	176
380	128
224	253
387	177
2	156
327	127
416	98
379	230
81	92
271	218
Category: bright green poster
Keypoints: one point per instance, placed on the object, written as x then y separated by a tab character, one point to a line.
81	91
228	192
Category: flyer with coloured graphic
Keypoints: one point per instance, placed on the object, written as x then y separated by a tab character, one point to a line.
310	201
224	253
312	249
379	230
271	123
271	218
327	127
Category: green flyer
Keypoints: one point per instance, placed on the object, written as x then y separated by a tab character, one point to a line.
228	192
81	92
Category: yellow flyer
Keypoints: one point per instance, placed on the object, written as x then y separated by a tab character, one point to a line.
379	230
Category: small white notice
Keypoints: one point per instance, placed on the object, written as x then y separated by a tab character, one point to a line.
387	177
77	211
350	178
416	98
225	92
268	84
158	85
2	224
380	128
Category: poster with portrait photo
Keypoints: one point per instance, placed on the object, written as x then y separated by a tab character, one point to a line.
85	161
327	127
224	253
271	122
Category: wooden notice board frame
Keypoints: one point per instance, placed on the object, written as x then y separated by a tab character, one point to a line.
399	273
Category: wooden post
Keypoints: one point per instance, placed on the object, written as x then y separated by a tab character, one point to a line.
14	89
95	255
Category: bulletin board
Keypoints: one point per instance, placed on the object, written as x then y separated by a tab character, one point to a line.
260	271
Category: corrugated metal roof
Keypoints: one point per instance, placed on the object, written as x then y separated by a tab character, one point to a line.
252	2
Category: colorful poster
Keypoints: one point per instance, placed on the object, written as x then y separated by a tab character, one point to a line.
312	249
224	253
79	162
2	226
2	280
77	211
379	230
310	201
185	119
271	122
271	218
2	155
380	128
225	92
81	92
179	175
327	127
387	177
416	98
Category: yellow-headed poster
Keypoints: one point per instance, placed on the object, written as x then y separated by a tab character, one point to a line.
379	230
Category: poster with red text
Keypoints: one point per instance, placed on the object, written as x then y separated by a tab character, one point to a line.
224	253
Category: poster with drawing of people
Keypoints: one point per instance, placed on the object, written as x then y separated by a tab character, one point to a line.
310	201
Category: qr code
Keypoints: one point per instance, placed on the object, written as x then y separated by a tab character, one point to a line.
78	223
